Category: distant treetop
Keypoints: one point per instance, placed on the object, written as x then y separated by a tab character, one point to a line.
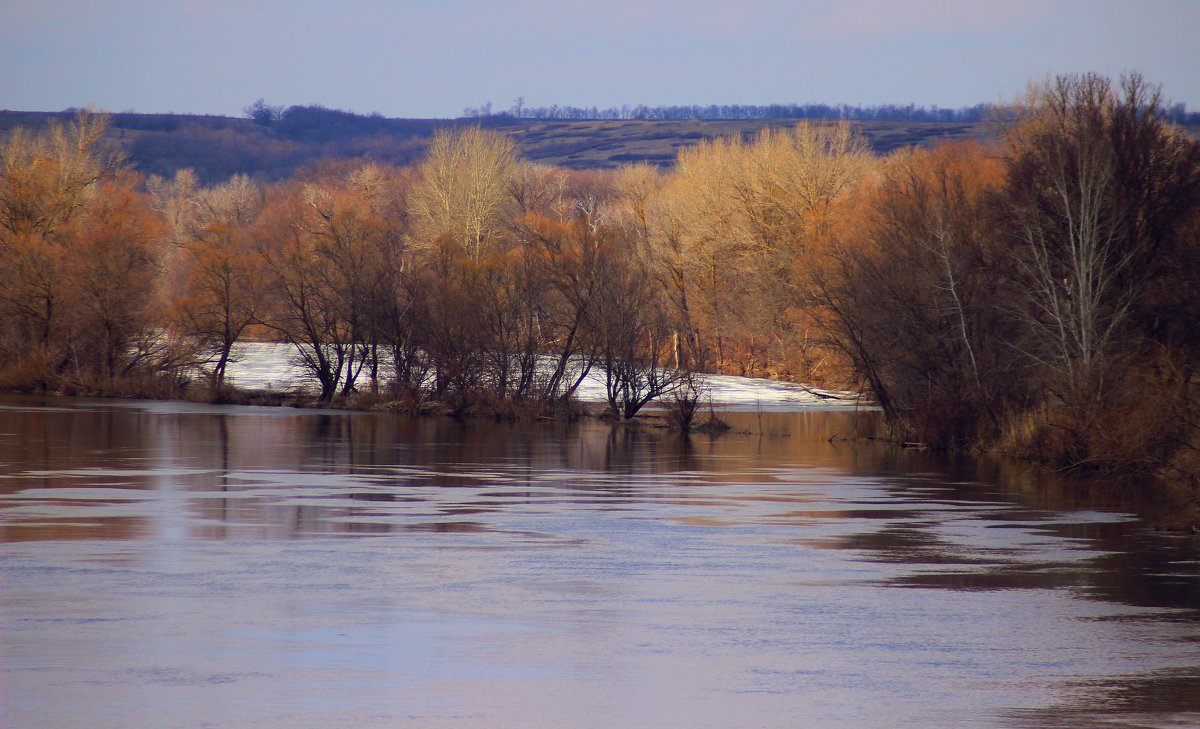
262	113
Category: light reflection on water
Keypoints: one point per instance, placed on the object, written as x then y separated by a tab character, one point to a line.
185	566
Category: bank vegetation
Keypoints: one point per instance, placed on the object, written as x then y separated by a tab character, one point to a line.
1034	297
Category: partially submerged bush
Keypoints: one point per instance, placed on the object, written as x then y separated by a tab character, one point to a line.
683	402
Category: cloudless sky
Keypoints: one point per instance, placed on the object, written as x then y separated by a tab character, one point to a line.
432	58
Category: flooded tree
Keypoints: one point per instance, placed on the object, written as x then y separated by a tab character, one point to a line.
221	274
112	313
320	247
632	333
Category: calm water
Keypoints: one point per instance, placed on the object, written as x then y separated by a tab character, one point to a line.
172	565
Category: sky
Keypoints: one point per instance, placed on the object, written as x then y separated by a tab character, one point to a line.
433	58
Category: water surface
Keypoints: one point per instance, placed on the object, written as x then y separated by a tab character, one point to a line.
177	565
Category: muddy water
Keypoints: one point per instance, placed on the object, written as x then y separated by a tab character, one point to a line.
171	565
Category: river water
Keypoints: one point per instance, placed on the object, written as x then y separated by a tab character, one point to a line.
178	565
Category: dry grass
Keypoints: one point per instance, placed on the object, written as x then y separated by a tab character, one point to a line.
609	144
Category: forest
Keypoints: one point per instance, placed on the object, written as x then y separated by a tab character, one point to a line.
1033	296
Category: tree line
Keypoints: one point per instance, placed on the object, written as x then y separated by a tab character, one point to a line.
741	112
1034	296
1177	113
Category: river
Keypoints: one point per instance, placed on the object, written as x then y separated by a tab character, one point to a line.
183	565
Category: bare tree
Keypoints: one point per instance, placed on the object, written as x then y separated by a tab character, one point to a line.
731	229
1074	255
632	333
907	295
49	184
316	246
572	261
221	284
1101	191
465	189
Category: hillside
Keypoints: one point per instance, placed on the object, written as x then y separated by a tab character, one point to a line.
217	147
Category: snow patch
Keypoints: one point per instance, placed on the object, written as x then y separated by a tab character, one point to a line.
271	366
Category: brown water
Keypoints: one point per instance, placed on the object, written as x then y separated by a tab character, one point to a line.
173	565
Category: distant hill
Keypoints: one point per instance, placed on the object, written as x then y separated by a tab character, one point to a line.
583	144
217	147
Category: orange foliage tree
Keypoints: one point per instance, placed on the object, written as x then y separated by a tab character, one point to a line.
909	289
81	265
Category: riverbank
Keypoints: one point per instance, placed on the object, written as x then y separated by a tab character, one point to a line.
268	374
658	415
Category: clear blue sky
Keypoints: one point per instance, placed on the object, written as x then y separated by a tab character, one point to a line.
433	58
